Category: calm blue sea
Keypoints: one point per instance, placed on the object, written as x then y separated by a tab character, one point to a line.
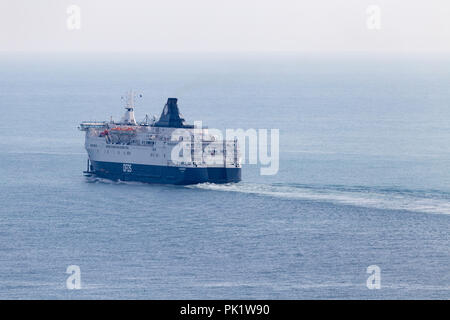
364	179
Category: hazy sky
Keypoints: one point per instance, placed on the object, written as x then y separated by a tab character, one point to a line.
231	25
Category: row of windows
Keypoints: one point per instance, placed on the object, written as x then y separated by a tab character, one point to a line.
118	152
156	155
144	142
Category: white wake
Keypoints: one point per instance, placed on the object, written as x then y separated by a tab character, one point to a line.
418	201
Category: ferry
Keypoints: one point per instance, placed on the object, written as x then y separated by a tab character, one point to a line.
163	151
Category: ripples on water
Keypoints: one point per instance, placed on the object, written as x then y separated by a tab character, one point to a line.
364	179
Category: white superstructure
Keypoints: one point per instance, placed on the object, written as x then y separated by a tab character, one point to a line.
152	145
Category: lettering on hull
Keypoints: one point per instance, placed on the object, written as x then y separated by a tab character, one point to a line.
127	168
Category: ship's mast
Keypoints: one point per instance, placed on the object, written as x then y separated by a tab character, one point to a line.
128	117
130	99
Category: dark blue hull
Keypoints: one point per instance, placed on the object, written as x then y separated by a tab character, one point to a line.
164	174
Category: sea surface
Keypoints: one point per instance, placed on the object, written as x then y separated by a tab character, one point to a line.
364	179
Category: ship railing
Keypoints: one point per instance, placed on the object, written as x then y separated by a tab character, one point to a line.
193	164
85	125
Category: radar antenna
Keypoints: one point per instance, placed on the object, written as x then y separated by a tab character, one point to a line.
130	97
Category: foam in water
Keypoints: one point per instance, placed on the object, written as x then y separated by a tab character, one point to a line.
356	196
94	179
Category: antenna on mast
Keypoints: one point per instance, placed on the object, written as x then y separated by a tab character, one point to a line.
130	98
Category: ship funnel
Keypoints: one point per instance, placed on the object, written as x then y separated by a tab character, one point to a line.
170	116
